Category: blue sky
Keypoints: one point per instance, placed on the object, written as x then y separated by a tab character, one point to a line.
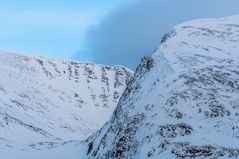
112	32
124	36
50	27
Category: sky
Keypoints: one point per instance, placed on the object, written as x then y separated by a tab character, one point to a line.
50	27
111	32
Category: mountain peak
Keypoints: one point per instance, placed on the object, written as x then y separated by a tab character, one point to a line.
182	101
197	42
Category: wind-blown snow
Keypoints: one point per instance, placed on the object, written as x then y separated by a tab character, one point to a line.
182	101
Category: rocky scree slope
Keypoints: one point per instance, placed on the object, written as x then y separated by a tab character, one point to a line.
183	100
48	101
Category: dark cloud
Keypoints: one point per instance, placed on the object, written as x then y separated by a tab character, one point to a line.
125	36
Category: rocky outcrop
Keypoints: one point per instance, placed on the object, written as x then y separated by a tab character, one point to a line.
51	100
183	100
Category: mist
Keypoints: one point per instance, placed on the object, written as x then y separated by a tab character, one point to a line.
124	36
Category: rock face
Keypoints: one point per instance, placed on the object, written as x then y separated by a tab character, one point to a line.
183	100
50	100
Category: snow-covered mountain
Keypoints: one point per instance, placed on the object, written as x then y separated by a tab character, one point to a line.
183	101
46	101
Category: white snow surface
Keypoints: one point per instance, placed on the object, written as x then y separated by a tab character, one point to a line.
45	102
182	101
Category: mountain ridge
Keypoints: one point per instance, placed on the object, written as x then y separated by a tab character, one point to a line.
182	102
53	100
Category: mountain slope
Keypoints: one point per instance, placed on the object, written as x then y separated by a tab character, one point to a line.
183	100
48	101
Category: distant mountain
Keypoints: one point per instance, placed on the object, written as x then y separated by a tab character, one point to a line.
46	101
183	101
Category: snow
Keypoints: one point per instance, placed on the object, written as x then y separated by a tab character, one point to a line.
182	101
72	151
47	100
